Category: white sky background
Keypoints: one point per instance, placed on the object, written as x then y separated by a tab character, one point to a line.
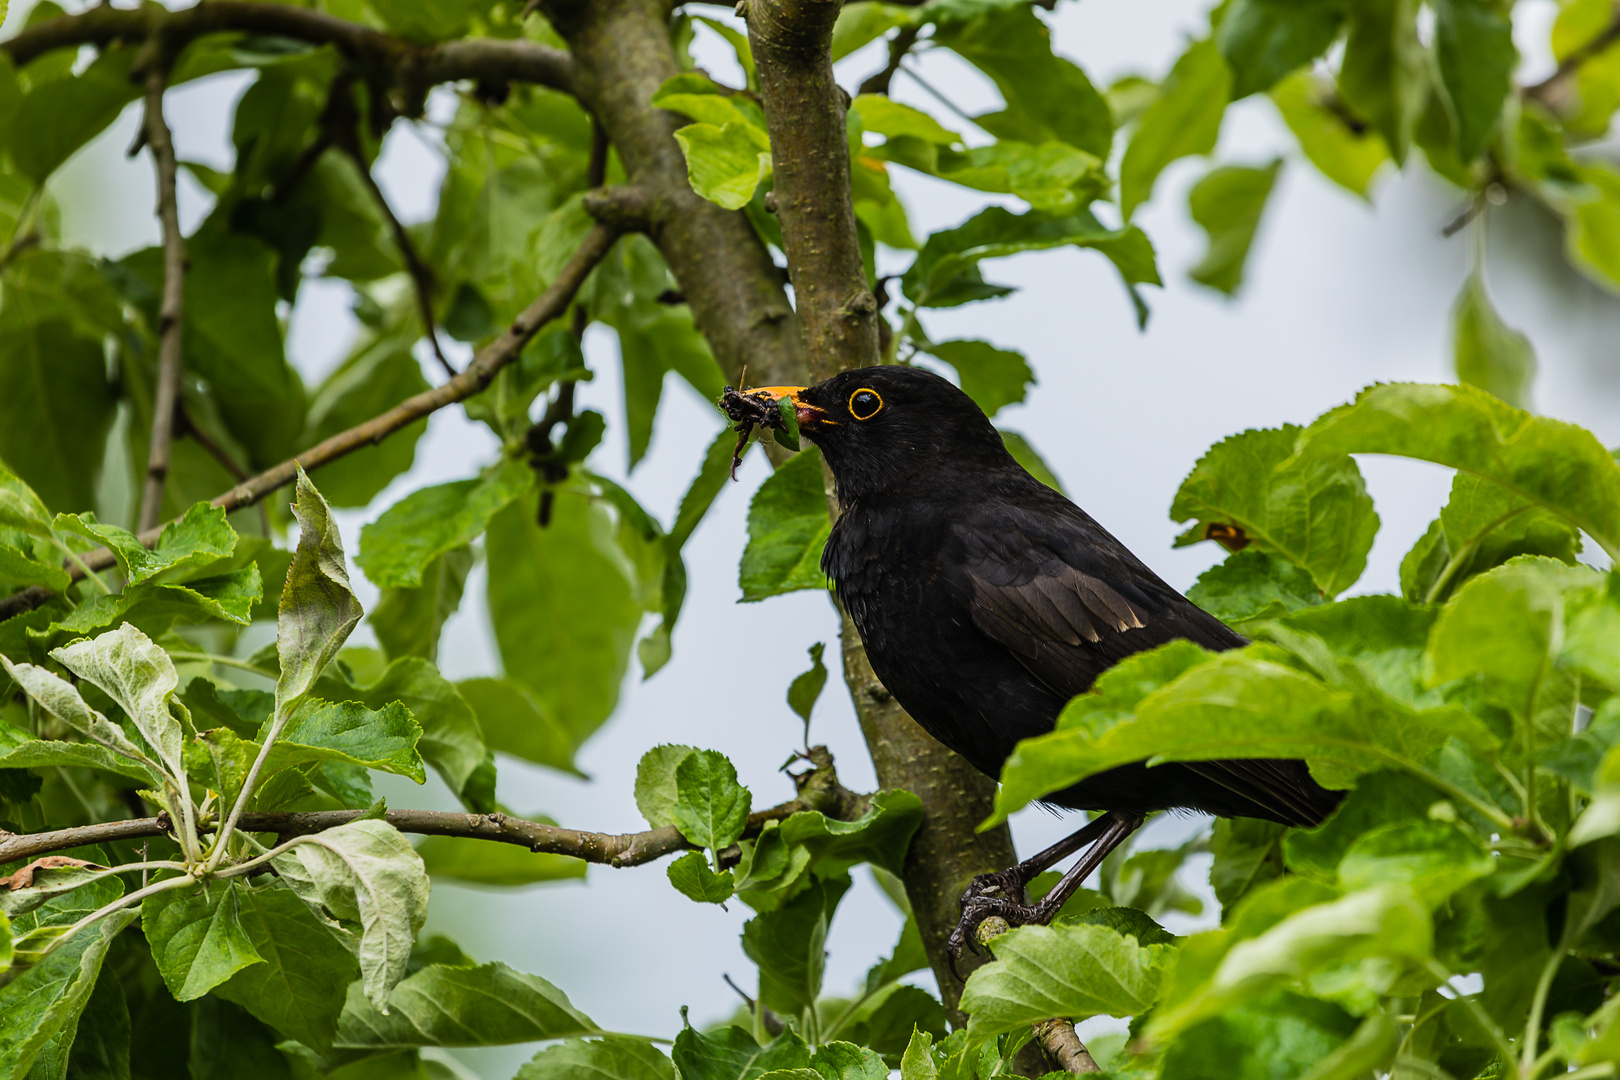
1339	295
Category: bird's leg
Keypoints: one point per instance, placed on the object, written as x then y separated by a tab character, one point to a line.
979	901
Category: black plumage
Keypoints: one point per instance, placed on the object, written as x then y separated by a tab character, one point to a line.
986	600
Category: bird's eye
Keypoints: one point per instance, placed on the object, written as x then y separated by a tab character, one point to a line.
865	404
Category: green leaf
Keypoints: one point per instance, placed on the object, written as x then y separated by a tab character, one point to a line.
1488	353
20	508
478	862
452	741
1042	765
992	377
885	1021
1343	150
1025	455
384	739
1047	96
694	94
655	782
725	163
1473	43
1504	627
883	116
99	1049
318	608
45	1001
1432	858
1263	40
62	700
859	23
366	871
879	836
514	721
1228	203
154	606
1285	1034
58	116
199	538
563	603
946	274
1052	176
1547	462
1248	853
375	378
1184	119
196	937
427	21
613	1057
444	1005
1313	510
838	1061
409	621
1385	73
1589	239
1481	526
806	687
396	549
232	338
787	529
141	679
226	1043
731	1053
1377	798
1070	971
692	878
711	808
789	946
55	419
1251	584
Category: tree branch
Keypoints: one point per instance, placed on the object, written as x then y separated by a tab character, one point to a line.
1550	89
1059	1040
622	55
489	360
819	790
805	112
415	67
899	46
167	396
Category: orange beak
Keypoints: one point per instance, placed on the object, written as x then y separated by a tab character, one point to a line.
805	412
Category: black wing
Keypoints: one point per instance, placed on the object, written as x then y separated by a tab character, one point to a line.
1069	601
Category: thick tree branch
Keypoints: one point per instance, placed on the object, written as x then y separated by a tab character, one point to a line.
415	67
819	790
171	307
622	55
1058	1039
489	361
806	113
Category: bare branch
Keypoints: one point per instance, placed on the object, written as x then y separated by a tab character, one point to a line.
171	308
820	790
415	67
805	111
1059	1040
489	361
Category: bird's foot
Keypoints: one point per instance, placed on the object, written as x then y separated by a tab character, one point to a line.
998	894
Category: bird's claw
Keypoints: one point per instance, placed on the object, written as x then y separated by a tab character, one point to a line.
998	894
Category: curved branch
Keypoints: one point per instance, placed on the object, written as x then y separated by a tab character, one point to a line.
167	395
819	790
416	67
485	365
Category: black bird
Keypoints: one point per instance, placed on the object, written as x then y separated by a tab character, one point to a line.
986	600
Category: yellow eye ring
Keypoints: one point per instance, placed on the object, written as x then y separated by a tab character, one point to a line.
869	415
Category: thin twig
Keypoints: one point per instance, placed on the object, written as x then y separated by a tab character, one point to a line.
415	67
160	142
484	367
1544	90
821	792
188	428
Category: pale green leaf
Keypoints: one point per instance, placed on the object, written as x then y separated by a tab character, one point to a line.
141	679
992	377
1487	352
711	808
692	878
655	782
1184	119
445	1005
318	608
396	549
1228	203
196	937
725	163
614	1057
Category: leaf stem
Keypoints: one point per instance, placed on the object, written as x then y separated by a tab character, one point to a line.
73	557
1538	1005
1465	553
181	881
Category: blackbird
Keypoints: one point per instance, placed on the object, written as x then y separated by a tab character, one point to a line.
986	600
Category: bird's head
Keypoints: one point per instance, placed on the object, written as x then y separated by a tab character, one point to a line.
882	428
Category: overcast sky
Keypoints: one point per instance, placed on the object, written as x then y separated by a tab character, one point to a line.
1339	294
